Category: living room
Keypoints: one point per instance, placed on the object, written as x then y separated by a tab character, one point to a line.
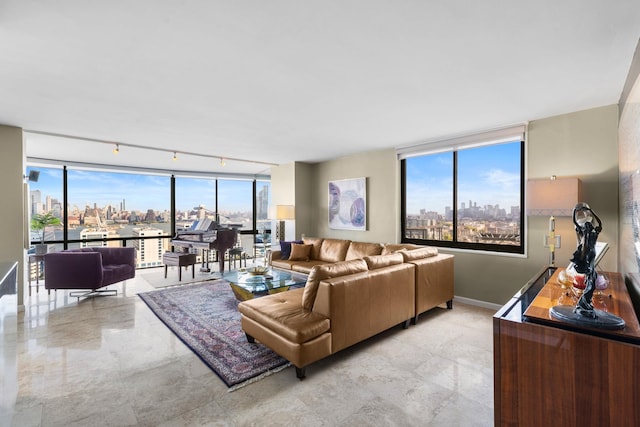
590	143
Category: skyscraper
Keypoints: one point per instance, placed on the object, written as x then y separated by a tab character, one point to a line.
149	251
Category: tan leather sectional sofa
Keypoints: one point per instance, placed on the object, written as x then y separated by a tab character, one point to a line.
354	290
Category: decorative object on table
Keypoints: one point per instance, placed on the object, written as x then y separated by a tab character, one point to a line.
206	318
39	223
570	278
552	197
588	227
259	270
283	213
348	204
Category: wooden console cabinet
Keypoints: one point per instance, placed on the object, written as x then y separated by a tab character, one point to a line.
550	373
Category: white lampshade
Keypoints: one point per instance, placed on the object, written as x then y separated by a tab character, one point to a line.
285	212
553	197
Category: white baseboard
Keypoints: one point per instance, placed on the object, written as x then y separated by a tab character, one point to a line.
478	303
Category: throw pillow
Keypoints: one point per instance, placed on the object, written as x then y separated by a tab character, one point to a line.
300	252
285	248
414	254
381	261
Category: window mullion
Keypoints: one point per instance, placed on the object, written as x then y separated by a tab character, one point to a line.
455	197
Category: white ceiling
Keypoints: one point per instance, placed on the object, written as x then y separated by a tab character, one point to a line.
282	81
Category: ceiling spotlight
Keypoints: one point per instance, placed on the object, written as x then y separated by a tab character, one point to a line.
117	149
175	156
222	162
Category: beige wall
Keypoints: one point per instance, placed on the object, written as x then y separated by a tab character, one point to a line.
311	189
582	144
12	185
383	181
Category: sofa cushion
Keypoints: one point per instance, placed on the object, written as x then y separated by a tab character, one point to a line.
283	314
317	243
334	250
285	248
306	266
362	249
114	273
423	252
380	261
328	271
394	247
300	252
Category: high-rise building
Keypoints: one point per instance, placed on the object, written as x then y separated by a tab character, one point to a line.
93	233
149	251
262	203
36	202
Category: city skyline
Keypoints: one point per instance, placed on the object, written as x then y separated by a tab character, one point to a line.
143	192
487	175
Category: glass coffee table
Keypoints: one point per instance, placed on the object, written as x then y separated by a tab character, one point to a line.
247	284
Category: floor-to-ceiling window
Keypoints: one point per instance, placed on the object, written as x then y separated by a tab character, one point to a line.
195	200
46	197
109	208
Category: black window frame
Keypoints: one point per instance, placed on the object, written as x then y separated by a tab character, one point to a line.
454	244
65	241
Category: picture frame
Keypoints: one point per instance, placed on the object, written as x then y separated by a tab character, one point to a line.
348	204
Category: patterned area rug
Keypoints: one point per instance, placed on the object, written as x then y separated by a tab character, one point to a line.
155	276
205	317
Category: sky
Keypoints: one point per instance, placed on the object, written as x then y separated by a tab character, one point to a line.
143	192
487	175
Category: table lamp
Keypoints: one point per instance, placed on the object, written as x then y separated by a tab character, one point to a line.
553	197
283	212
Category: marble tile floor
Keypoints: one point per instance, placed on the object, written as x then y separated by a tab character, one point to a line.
108	361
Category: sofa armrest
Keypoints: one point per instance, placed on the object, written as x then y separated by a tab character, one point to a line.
434	281
118	256
73	270
274	254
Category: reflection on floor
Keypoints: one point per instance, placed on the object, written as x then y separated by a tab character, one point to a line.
110	361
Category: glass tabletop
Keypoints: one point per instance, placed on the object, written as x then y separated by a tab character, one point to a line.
265	283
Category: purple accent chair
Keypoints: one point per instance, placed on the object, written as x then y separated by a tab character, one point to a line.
89	269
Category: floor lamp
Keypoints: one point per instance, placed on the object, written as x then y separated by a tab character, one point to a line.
553	197
283	212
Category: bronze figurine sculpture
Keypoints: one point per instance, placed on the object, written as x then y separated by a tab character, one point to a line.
588	227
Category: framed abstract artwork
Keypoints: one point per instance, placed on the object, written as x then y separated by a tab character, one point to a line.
348	204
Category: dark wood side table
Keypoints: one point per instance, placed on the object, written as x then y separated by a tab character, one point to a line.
549	372
179	259
237	254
